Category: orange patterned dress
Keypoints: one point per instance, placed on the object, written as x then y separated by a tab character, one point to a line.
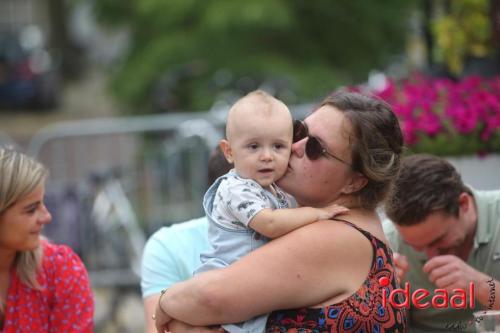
362	312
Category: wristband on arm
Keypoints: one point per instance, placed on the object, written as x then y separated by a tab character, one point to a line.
159	303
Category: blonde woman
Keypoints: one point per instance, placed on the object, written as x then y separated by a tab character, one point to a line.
43	287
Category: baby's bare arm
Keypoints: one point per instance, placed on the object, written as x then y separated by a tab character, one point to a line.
278	222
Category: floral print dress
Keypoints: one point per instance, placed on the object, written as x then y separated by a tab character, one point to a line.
65	303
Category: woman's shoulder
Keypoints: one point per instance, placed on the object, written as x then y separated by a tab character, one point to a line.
333	231
63	273
66	289
59	251
332	240
341	243
60	259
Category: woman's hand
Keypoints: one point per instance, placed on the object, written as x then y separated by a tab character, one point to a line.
176	326
161	318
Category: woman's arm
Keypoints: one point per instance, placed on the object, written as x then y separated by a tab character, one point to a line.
176	326
150	303
170	256
305	267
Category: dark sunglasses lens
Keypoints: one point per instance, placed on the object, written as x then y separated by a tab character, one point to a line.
299	130
313	148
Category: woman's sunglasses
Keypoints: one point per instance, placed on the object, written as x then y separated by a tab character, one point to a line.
314	148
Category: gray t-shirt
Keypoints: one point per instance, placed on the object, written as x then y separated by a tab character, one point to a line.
230	204
238	200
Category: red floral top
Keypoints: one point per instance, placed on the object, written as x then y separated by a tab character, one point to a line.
362	312
65	303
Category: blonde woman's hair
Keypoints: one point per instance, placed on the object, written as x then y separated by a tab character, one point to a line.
19	176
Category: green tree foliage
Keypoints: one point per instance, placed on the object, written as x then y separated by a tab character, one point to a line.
464	31
189	52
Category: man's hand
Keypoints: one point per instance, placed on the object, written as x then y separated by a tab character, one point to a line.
450	272
401	265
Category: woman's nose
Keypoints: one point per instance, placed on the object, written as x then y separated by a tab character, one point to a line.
45	216
298	147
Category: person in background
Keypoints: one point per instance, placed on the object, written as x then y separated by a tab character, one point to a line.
445	235
173	253
44	287
324	276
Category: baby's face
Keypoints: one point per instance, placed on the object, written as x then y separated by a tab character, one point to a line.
261	146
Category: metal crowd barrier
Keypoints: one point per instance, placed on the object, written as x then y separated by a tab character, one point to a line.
115	181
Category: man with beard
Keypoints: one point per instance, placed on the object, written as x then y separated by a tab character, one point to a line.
445	235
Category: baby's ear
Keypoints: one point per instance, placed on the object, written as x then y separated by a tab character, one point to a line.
226	149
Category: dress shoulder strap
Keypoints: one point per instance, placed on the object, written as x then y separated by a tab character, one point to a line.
367	234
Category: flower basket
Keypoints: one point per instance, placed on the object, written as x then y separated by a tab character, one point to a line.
446	117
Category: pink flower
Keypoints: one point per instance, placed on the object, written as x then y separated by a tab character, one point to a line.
430	107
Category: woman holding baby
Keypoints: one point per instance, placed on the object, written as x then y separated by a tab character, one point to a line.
325	275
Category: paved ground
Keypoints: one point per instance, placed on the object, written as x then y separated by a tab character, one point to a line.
87	98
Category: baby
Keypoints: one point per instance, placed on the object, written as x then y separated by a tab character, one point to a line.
245	208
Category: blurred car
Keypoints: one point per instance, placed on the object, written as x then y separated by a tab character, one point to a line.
28	77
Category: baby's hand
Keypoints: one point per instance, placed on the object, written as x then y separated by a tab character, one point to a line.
331	211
